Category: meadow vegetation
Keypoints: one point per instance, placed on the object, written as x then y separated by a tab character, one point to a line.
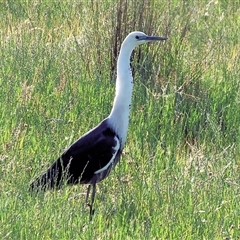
179	177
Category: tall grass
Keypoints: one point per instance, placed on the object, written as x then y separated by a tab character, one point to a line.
179	174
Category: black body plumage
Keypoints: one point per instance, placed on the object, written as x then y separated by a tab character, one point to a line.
80	162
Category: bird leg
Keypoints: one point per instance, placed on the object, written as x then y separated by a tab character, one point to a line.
90	205
88	191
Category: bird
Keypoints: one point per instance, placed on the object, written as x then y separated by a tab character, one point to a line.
90	158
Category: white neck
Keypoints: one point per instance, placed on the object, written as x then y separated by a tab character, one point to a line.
119	116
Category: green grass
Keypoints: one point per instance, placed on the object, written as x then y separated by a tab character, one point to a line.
179	174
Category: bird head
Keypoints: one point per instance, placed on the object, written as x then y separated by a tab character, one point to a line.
136	38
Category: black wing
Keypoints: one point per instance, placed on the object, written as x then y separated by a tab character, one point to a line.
78	164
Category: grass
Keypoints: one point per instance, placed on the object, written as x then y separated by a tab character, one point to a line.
179	174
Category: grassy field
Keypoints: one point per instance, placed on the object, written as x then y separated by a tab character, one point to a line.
179	177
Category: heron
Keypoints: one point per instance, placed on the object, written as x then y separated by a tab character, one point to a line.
90	158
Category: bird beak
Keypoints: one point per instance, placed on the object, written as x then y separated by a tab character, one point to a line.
152	38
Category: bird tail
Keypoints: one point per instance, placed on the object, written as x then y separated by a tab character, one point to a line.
51	179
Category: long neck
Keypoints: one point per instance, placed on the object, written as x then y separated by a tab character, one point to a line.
119	116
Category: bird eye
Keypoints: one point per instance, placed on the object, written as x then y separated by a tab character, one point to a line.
137	37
